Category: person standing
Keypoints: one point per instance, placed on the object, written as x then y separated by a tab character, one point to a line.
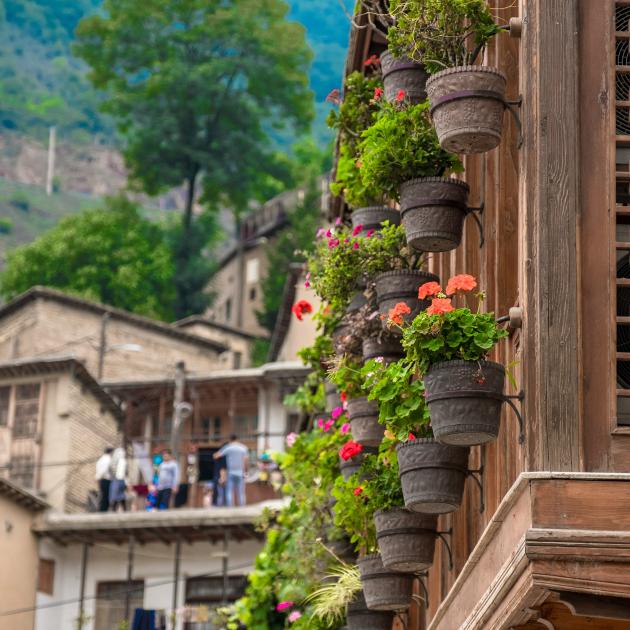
219	479
168	479
237	462
118	486
104	478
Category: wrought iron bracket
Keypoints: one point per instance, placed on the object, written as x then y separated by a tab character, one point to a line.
442	535
510	401
479	481
474	212
512	106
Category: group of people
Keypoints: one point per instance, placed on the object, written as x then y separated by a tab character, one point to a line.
231	465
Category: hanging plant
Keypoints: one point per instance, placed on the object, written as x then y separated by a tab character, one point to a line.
448	36
450	347
401	155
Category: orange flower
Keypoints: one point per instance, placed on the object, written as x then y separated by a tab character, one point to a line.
463	282
428	289
439	306
396	314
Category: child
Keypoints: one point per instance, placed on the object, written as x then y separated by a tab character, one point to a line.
151	502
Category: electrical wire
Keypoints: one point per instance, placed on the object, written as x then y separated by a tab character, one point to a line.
66	602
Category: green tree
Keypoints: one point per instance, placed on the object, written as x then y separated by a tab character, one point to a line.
111	254
196	88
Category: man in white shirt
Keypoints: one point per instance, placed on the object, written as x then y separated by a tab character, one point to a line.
104	478
237	462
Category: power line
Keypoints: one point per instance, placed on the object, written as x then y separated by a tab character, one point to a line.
66	602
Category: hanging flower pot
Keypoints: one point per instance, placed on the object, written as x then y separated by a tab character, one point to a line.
333	399
403	74
364	426
394	287
465	400
433	210
432	475
388	347
383	588
467	105
406	540
358	301
372	218
360	617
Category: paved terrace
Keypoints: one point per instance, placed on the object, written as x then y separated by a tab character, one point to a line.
166	526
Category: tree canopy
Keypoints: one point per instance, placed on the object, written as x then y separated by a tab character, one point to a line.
197	89
111	254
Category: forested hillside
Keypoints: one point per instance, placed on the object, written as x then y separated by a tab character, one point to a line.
43	84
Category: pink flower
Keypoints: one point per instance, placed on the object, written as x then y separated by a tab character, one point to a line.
334	97
338	221
307	284
320	233
346	240
328	233
294	616
308	275
345	428
283	606
291	438
332	243
400	96
320	423
370	233
355	246
357	230
336	412
328	425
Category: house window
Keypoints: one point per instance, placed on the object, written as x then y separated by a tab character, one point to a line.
22	471
110	602
46	576
228	310
252	272
246	427
213	590
26	410
252	294
5	398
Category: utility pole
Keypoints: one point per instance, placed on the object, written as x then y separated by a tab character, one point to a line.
181	409
50	174
102	348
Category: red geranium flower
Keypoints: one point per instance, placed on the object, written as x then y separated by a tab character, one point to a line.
357	491
349	450
301	307
343	396
396	314
357	229
411	437
428	289
463	282
400	96
372	61
439	306
378	92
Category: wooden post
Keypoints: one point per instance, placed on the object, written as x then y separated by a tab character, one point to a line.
176	425
226	577
129	579
50	173
102	348
550	192
178	553
84	560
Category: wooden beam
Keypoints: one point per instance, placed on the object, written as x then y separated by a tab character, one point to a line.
550	186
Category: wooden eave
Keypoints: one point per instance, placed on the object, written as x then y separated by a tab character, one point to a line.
553	532
166	526
21	496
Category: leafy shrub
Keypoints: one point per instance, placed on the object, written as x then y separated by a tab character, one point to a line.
20	201
403	145
6	225
441	33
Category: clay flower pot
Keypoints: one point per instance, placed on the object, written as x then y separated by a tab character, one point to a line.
333	399
406	539
467	105
433	211
403	74
364	426
389	348
372	218
359	300
465	400
432	475
401	285
383	588
360	617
